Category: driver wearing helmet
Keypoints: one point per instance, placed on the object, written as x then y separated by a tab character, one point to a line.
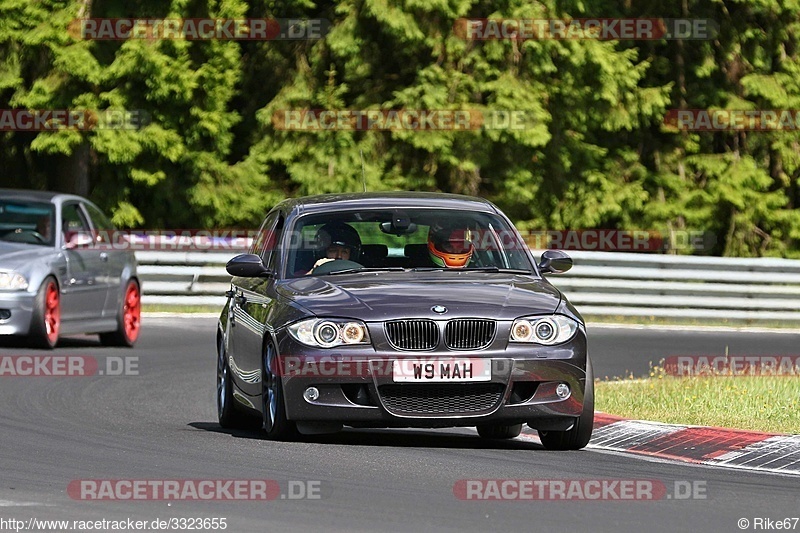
449	245
339	241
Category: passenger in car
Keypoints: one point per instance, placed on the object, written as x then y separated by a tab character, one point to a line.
449	245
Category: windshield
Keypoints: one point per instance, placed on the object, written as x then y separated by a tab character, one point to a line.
419	239
27	222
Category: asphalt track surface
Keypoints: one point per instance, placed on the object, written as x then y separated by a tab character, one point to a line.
161	424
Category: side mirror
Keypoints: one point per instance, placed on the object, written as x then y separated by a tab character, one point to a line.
555	262
247	266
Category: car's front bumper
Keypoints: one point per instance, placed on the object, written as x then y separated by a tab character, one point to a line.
18	305
356	387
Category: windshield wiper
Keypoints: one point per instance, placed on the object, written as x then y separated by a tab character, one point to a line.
430	269
476	269
364	269
498	269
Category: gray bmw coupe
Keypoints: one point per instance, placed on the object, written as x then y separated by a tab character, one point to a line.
400	310
60	274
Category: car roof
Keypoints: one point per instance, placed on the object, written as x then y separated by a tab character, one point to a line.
387	200
38	196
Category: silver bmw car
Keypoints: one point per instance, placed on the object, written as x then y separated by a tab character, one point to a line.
60	272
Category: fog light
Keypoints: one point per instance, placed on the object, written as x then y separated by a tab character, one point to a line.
562	390
311	394
5	314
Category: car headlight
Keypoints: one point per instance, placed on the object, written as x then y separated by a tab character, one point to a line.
11	281
547	330
330	332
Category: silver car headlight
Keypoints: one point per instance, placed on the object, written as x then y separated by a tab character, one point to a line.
330	332
547	330
12	281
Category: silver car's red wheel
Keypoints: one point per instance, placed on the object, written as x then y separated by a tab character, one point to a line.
52	313
132	312
129	317
46	322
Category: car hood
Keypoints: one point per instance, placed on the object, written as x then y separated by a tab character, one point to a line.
15	255
384	296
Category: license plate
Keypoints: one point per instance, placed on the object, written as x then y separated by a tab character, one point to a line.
441	370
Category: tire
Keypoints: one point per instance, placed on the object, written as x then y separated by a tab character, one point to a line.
499	431
46	321
129	318
580	434
273	403
227	414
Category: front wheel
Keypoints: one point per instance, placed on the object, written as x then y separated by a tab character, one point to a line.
273	403
129	319
499	431
46	321
580	434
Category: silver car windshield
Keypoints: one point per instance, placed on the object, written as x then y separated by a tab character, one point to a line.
27	222
409	239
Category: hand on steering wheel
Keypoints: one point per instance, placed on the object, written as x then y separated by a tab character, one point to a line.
322	262
327	266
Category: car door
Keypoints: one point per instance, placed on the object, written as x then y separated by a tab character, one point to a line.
84	285
251	304
103	231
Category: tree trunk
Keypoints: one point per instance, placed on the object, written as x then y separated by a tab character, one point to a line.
72	174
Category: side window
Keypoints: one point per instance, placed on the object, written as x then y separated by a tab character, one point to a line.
102	225
73	222
263	233
269	246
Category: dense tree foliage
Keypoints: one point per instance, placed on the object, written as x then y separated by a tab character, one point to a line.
597	152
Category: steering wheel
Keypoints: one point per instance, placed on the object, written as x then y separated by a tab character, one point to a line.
38	236
335	266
